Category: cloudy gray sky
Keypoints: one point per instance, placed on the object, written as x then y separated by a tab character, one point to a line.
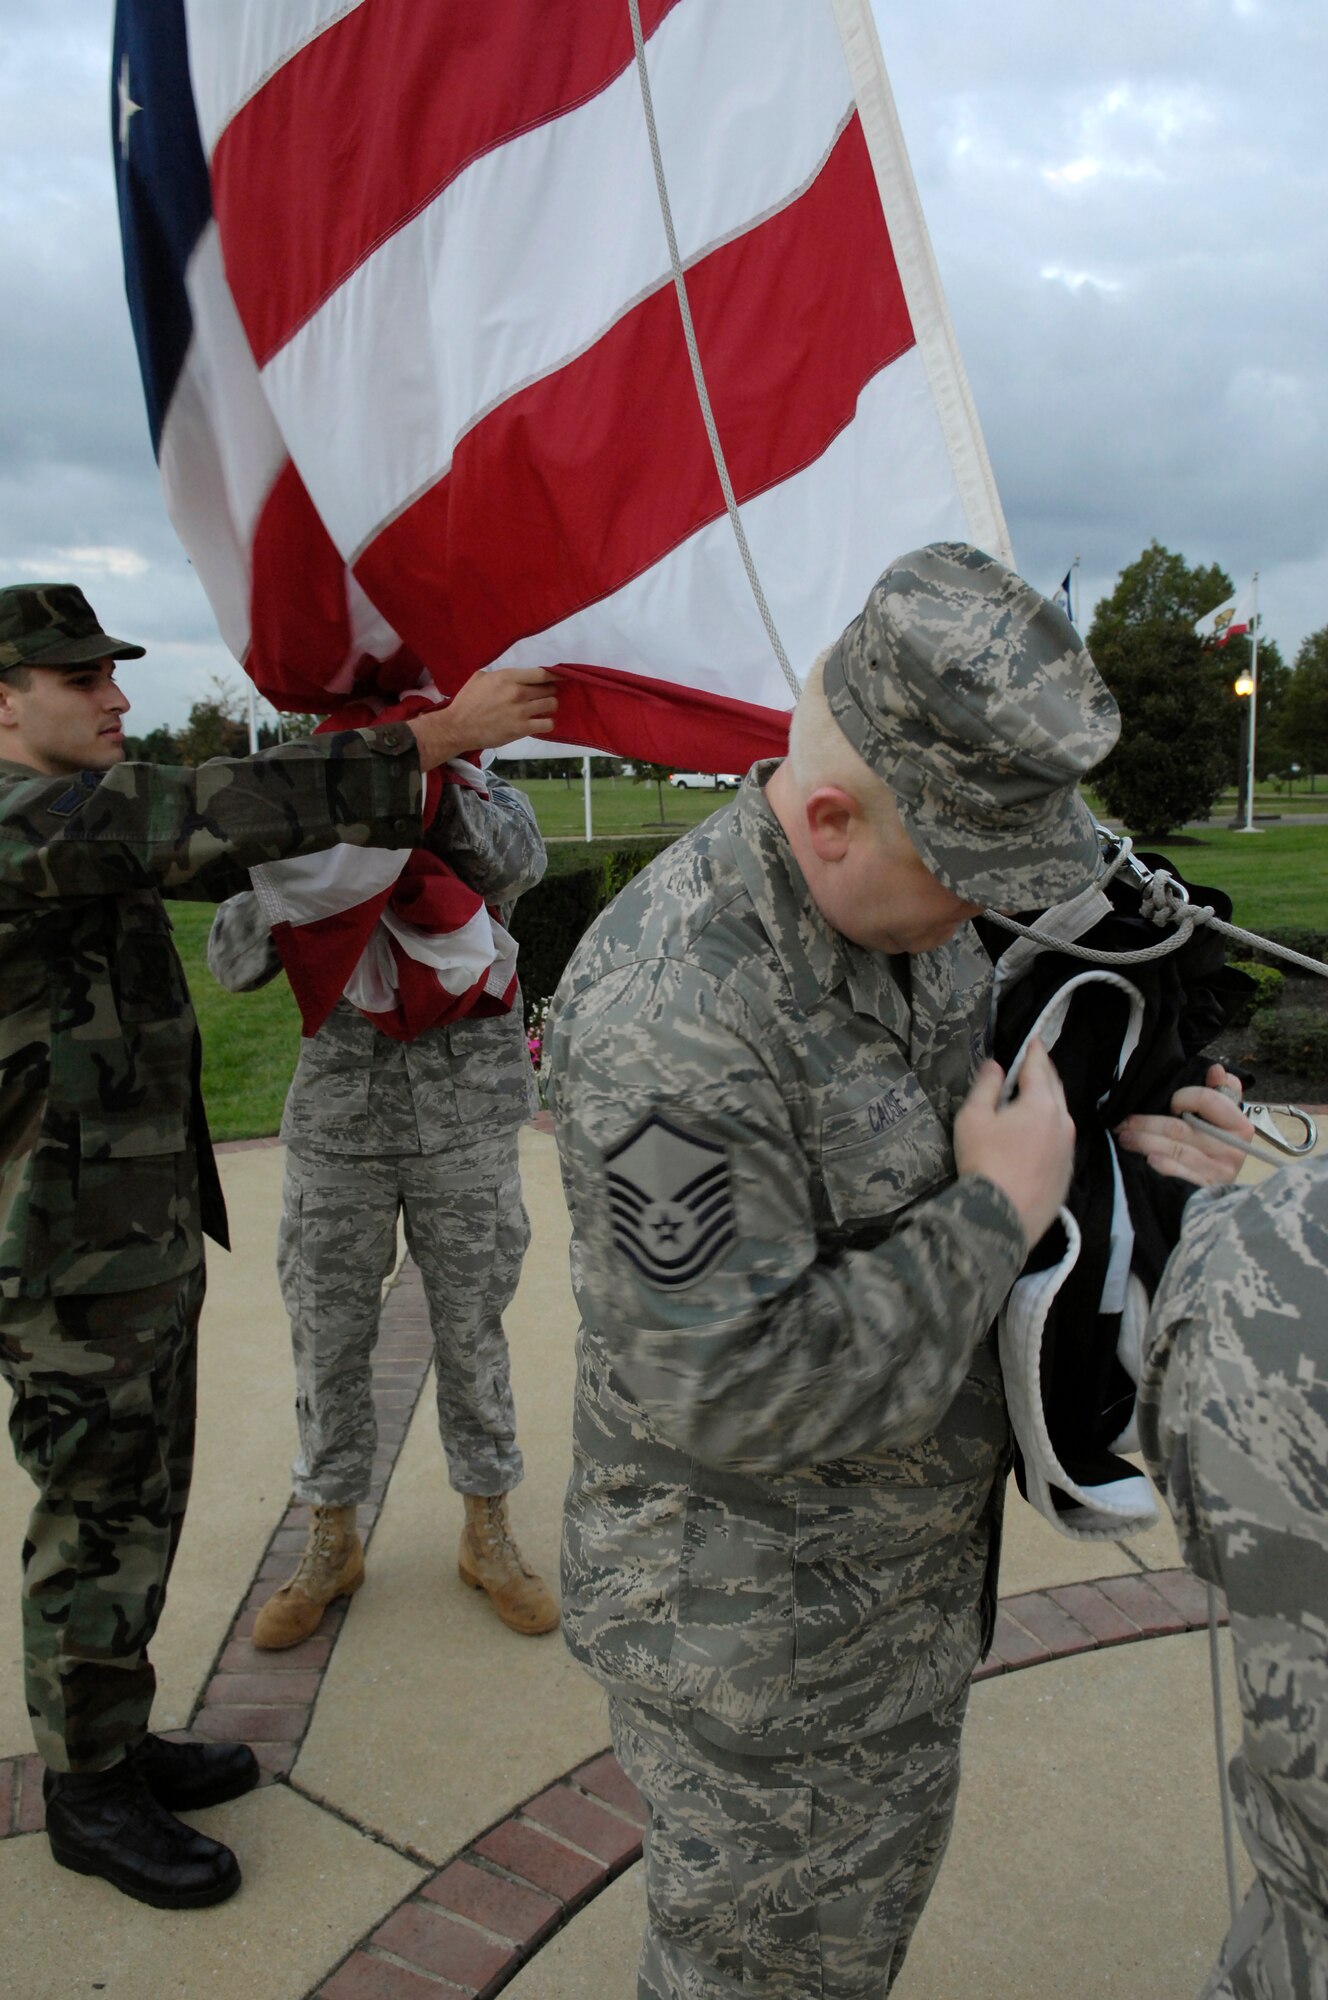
1129	206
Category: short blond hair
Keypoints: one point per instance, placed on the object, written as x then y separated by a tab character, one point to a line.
819	753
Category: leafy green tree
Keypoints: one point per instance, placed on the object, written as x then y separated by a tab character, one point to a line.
217	725
159	746
1180	716
1304	714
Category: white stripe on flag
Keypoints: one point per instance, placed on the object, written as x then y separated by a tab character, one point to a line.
311	887
220	449
233	50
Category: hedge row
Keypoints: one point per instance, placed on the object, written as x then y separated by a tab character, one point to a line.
1266	991
549	923
1295	1037
1309	942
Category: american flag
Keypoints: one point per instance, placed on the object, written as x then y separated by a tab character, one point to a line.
411	287
398	933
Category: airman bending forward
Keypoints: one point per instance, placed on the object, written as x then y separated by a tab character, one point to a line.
797	1204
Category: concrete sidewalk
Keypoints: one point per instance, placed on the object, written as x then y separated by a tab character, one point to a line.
440	1817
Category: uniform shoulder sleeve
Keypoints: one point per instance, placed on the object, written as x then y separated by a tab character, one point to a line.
753	1343
241	954
197	832
487	831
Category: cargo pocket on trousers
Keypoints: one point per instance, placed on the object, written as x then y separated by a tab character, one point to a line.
774	1890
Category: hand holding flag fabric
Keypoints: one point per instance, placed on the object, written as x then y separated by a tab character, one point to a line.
396	931
490	710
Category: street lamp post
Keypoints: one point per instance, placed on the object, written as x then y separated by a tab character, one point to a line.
1244	687
1248	686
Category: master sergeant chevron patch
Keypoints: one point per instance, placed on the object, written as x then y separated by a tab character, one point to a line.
671	1202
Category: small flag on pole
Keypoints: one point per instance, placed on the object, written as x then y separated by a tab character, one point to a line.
1228	619
1062	597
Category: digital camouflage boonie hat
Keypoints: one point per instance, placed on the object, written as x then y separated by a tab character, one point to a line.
53	625
976	701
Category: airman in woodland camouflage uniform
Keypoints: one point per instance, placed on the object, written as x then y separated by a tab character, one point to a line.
797	1204
107	1183
426	1129
1233	1417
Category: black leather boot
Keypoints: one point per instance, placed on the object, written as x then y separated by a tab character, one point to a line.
107	1823
186	1776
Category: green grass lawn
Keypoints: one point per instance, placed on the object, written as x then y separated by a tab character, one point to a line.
1275	876
1272	799
618	807
251	1040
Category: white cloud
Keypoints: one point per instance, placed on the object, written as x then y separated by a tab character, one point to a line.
80	565
1075	280
1073	174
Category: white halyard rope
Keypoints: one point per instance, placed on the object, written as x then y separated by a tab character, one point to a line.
694	353
1163	901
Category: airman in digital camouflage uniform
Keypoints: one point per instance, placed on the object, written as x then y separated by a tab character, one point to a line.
1233	1418
426	1129
797	1204
107	1183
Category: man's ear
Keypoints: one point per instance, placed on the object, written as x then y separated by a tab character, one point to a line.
8	706
831	816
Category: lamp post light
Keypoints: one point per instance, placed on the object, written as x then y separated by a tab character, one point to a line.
1247	687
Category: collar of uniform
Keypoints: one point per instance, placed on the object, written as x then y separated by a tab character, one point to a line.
876	992
811	954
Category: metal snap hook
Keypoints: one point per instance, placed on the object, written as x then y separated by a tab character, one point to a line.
1263	1117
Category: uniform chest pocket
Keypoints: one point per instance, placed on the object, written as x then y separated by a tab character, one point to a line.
882	1153
147	969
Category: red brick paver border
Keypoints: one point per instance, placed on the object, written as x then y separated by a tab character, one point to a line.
471	1927
523	1879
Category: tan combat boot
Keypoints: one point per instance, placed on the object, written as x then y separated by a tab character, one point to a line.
332	1566
490	1560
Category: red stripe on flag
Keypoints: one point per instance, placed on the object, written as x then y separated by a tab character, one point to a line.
663	722
299	631
424	1003
582	481
365	126
319	957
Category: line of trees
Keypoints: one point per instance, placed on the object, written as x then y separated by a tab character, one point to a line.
1182	723
218	726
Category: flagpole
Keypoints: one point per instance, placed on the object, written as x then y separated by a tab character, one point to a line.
1249	826
585	784
1072	593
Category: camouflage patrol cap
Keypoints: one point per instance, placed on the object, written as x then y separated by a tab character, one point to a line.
976	701
53	625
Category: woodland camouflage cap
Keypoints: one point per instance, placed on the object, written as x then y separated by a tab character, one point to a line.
53	625
976	701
